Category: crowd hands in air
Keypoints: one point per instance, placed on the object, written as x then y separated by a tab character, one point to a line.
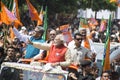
76	57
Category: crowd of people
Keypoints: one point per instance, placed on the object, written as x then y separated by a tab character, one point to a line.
77	57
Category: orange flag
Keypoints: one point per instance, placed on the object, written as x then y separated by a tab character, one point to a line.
0	14
0	19
15	11
66	33
118	3
40	22
107	60
4	18
32	11
7	16
106	55
12	35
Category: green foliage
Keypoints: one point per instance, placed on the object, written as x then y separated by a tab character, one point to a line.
60	7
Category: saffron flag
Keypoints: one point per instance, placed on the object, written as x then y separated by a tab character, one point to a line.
66	33
40	22
106	56
118	3
15	11
0	14
32	11
7	16
45	25
4	18
0	19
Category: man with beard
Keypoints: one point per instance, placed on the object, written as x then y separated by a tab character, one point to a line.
59	54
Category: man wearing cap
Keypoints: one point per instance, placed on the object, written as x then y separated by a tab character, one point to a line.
59	54
31	51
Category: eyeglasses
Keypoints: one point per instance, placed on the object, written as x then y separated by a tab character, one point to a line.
105	76
79	39
36	31
52	34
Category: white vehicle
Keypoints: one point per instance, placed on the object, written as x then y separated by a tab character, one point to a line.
33	72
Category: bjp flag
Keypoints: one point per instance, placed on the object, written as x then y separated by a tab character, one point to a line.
0	19
66	33
32	11
7	16
40	22
15	11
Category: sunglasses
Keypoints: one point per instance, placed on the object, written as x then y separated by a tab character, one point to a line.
79	39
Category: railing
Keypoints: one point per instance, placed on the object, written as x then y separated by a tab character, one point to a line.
34	72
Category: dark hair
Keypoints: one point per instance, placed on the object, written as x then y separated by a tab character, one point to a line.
10	47
76	35
2	50
85	63
114	75
41	29
107	71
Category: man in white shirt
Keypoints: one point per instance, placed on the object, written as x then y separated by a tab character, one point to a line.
78	52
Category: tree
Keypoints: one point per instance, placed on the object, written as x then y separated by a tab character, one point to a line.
61	11
56	9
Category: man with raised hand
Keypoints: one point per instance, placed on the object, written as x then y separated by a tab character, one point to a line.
31	51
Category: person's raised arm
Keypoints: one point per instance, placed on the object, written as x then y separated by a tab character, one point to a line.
43	46
20	36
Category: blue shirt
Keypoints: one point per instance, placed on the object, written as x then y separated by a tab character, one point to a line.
31	51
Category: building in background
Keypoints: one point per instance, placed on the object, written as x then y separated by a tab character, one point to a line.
88	13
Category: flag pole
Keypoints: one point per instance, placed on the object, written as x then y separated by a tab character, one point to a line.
106	54
5	36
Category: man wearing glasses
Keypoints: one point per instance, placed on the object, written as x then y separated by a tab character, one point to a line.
78	53
87	42
31	51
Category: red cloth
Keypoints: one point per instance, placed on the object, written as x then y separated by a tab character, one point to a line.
57	54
